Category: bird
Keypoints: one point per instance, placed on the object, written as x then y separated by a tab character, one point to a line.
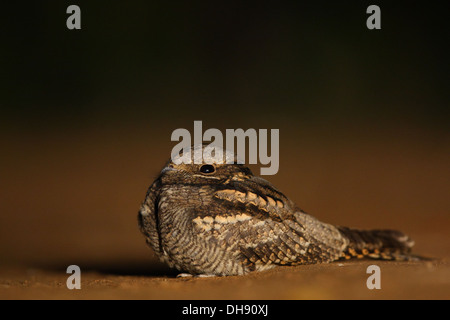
214	217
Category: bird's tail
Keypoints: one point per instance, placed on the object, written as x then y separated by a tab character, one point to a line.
377	244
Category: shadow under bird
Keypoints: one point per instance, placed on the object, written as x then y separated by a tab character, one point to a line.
217	218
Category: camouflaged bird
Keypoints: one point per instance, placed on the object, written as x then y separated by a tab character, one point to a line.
217	218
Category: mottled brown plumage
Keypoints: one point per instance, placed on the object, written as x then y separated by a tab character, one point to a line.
220	219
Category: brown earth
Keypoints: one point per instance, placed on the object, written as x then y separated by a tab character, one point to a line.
73	199
345	280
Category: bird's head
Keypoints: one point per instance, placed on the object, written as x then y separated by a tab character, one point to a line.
204	164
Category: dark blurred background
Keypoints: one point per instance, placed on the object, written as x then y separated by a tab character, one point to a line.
86	115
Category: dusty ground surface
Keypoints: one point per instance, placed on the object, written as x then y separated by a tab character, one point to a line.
347	280
73	200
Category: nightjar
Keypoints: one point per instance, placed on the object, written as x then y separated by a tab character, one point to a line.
217	218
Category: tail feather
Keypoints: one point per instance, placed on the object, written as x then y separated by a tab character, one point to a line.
377	244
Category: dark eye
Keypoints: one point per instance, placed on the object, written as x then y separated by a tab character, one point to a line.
207	168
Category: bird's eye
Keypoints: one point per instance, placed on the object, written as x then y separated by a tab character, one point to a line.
207	168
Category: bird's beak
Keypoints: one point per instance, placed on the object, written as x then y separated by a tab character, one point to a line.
167	169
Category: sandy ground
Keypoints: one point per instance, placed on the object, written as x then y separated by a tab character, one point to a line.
74	199
347	280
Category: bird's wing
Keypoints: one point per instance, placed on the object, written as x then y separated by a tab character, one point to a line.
148	217
268	230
